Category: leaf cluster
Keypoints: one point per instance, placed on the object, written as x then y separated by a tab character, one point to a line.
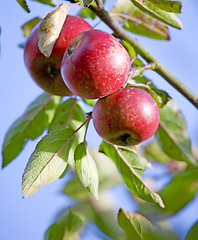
64	147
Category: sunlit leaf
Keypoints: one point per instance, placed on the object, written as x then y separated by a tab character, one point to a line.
139	228
173	136
50	28
131	169
138	22
67	228
86	168
27	27
168	5
68	114
87	13
48	2
48	161
30	125
163	16
24	5
193	233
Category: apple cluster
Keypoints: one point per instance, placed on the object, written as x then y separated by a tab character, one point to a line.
92	64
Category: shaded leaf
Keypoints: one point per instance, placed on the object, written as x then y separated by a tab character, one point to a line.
87	13
50	28
139	228
67	227
27	27
85	3
48	161
138	22
173	136
153	151
193	233
130	170
163	96
108	176
168	5
24	5
163	16
176	194
86	168
30	125
48	2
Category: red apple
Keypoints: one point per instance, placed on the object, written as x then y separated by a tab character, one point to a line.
46	71
95	64
127	117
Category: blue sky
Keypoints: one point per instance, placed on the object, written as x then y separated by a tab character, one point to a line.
29	218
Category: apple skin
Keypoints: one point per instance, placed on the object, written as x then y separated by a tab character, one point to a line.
127	117
46	71
95	64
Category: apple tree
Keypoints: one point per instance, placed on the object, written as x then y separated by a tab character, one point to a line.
80	67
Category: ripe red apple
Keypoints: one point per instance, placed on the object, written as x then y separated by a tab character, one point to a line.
127	117
95	64
46	71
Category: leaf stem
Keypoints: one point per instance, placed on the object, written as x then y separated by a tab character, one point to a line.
70	113
122	34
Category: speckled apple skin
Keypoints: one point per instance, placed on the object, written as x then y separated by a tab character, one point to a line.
95	64
127	117
37	63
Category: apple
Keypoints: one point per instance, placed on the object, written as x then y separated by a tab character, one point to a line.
127	117
46	71
95	64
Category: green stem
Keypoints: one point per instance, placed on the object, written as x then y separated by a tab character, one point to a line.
120	33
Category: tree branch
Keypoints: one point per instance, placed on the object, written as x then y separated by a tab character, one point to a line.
120	33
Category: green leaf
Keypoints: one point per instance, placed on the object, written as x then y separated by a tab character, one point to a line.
69	114
176	194
168	5
48	161
30	125
87	13
52	3
24	5
131	51
193	233
163	16
27	27
86	168
50	28
173	136
180	191
106	221
85	3
108	176
163	96
139	228
131	169
90	102
138	22
66	228
153	151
